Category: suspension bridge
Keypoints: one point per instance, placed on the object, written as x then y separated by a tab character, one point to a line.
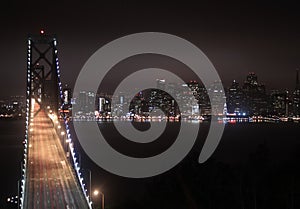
51	176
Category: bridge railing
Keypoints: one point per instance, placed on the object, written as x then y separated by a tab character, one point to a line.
24	163
68	134
28	89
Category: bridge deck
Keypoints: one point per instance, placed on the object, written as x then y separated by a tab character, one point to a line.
50	181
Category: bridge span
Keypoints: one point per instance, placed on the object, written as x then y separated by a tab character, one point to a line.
51	182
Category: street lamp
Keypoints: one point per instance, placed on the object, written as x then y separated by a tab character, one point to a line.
66	143
96	193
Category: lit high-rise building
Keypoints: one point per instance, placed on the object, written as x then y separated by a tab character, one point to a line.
91	107
296	96
161	84
67	96
280	103
255	94
82	101
235	99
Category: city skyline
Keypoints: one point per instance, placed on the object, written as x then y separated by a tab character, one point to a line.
245	99
248	98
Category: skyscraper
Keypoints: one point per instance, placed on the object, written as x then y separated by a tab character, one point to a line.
67	96
91	106
296	96
82	101
255	93
236	99
161	84
280	103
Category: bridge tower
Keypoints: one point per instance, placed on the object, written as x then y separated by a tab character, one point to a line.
43	74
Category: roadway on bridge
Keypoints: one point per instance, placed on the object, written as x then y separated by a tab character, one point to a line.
50	183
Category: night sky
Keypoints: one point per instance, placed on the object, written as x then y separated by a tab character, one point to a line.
237	37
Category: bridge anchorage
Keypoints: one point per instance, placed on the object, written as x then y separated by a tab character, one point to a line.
51	176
